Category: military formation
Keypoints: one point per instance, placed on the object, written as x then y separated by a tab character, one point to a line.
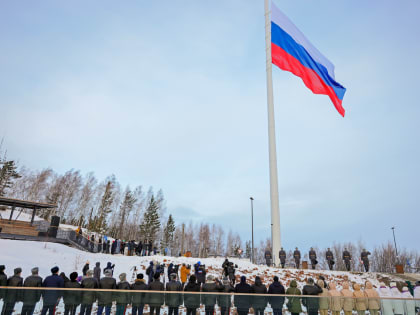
329	257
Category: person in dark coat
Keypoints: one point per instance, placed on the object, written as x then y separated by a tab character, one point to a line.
138	298
276	302
223	300
65	279
296	257
192	301
88	297
51	298
347	258
85	268
210	300
72	298
329	256
311	304
122	298
13	296
259	302
312	258
105	298
171	270
282	256
139	248
3	282
150	273
201	274
110	267
113	247
231	273
97	271
31	297
365	259
268	257
225	266
156	299
243	302
173	300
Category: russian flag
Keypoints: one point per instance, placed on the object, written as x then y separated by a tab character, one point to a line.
291	51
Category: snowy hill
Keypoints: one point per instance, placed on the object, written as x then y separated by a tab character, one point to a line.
27	255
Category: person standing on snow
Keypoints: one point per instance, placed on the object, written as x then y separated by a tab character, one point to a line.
105	298
243	302
259	303
185	271
347	258
329	256
173	300
13	296
296	256
365	259
122	298
85	268
231	273
31	297
110	267
374	303
97	272
276	302
282	256
51	298
312	258
268	257
88	297
72	298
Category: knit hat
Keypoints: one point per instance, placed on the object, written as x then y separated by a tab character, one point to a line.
54	269
35	270
73	276
123	276
89	273
140	276
276	278
17	270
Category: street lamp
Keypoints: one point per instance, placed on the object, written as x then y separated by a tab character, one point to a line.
395	243
252	228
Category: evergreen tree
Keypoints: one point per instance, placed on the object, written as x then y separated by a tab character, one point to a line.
168	233
151	221
8	172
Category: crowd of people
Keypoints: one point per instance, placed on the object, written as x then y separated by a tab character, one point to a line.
316	296
329	257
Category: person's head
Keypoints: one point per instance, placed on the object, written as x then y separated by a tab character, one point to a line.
258	280
393	284
312	248
296	248
98	264
192	279
183	264
210	278
276	279
35	271
333	286
320	283
328	248
282	248
140	276
54	270
310	281
156	276
225	281
172	276
17	271
123	277
2	268
293	284
243	279
368	285
108	273
346	285
89	273
87	262
356	287
321	277
73	276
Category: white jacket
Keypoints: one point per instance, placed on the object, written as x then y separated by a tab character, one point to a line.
397	305
409	305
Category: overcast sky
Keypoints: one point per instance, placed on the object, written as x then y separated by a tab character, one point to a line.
172	94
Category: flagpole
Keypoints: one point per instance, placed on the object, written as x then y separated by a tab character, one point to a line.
274	191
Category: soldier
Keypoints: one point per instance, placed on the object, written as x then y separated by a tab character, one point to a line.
282	256
347	258
312	257
330	258
296	256
268	257
31	297
365	259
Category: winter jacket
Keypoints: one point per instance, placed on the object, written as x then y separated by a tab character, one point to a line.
97	272
365	257
225	300
139	298
72	297
386	305
361	301
150	272
156	299
50	297
173	299
293	303
348	301
312	255
231	272
192	300
336	302
209	300
282	256
171	270
311	304
184	273
106	298
276	288
13	295
3	283
346	255
88	297
373	297
409	304
31	297
123	297
397	305
201	275
243	302
325	300
259	302
85	269
296	255
329	255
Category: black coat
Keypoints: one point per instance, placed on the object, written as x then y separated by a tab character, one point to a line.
31	297
50	297
97	272
276	302
173	299
85	269
282	256
209	300
13	296
139	298
123	297
225	300
192	300
3	283
72	297
156	299
312	304
243	302
296	255
259	302
106	298
88	297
